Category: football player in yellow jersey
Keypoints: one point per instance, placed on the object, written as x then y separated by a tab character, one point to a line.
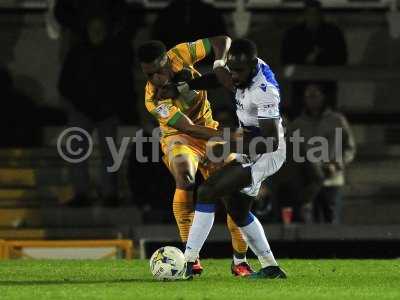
183	153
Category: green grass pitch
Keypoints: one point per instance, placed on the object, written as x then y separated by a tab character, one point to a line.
119	279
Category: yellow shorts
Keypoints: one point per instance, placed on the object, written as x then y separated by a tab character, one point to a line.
194	149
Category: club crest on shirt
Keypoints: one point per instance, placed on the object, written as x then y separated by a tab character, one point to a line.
162	110
263	87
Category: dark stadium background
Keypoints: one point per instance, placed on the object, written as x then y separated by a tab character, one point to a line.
36	185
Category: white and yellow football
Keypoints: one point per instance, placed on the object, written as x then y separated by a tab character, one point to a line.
167	263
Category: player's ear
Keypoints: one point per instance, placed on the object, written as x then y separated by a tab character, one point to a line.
254	62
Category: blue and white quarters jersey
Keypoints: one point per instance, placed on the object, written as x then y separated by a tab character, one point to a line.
260	101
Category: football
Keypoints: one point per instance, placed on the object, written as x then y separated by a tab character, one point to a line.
167	263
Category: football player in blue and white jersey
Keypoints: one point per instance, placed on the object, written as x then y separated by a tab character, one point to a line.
260	149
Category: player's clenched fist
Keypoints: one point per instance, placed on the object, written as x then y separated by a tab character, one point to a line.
177	86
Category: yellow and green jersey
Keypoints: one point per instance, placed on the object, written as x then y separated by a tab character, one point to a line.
168	111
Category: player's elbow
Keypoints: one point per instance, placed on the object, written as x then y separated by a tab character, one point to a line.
225	39
221	41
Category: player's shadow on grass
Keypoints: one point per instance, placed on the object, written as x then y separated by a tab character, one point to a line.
69	281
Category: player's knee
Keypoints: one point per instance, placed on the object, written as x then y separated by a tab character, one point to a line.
184	178
184	172
185	181
206	194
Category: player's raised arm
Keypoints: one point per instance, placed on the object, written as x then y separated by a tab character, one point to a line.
205	82
221	45
185	125
220	76
267	133
267	138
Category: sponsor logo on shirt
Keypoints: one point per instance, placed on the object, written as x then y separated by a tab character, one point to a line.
270	110
269	106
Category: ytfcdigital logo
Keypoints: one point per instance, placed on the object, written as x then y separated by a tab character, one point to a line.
75	145
81	152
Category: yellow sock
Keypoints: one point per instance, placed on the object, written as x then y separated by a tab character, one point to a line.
238	243
183	209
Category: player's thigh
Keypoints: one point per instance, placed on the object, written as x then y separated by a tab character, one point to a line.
229	179
210	168
183	165
238	206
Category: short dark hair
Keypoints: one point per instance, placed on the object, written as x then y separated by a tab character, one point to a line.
150	51
243	47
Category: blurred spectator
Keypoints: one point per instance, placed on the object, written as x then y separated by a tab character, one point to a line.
296	186
313	42
20	125
52	26
318	120
150	182
18	116
188	20
383	50
97	78
10	33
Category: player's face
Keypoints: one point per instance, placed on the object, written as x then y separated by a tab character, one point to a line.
314	98
158	72
241	73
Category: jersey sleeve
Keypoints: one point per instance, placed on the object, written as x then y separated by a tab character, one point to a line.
267	102
164	111
193	52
